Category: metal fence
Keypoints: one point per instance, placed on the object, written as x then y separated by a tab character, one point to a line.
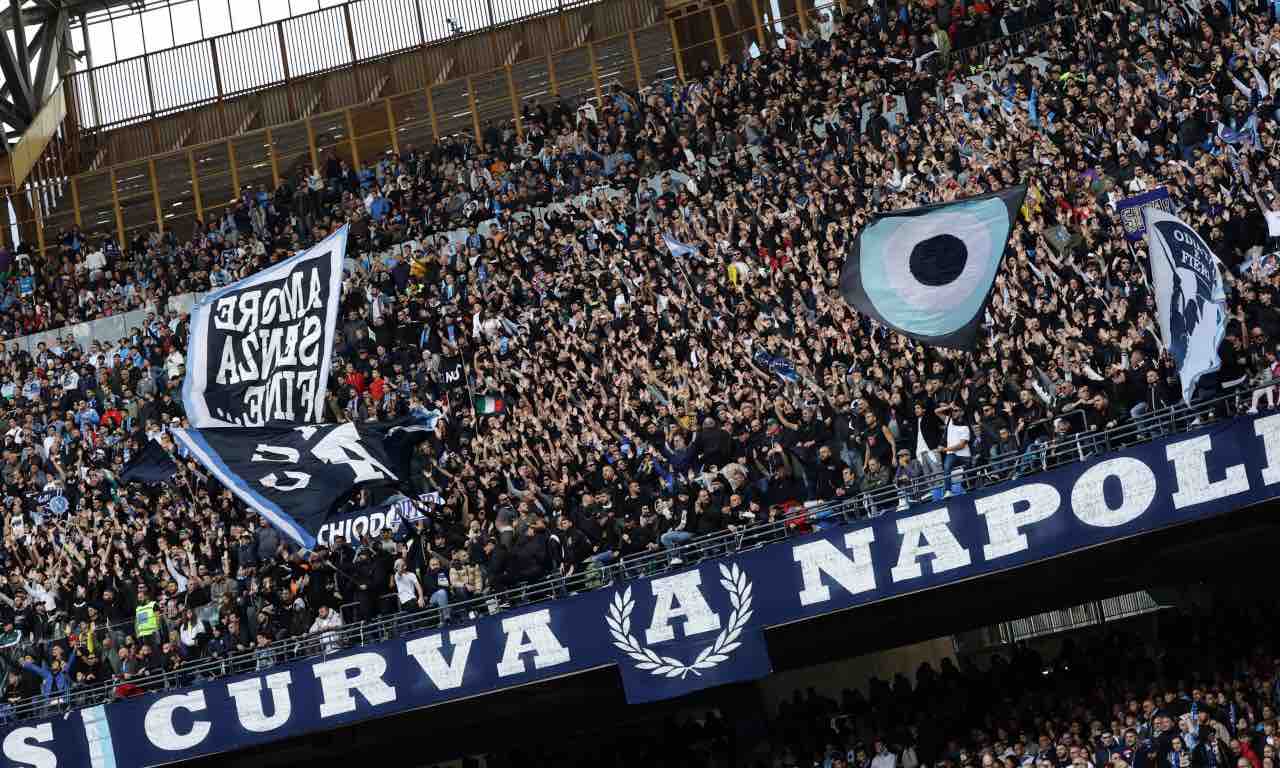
804	519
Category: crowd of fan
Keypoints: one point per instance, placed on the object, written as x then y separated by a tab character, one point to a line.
1202	691
647	399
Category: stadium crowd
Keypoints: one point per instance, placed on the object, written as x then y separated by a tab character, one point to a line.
633	399
1201	691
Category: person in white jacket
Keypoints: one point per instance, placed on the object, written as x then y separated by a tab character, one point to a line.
326	622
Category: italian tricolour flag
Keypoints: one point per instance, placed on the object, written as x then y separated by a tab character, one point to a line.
486	405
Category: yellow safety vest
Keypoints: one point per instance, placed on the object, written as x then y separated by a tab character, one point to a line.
146	620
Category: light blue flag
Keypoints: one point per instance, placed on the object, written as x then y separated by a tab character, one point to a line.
677	248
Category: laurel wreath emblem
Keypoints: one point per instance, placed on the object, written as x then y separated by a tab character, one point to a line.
734	581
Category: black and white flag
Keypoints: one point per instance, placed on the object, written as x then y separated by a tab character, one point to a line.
1190	299
296	476
260	349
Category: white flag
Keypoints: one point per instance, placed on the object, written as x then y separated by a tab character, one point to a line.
1190	299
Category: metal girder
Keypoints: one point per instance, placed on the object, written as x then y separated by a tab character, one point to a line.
20	44
36	13
17	79
51	38
24	91
10	116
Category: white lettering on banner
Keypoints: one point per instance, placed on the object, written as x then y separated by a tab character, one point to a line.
928	534
444	674
17	746
1191	470
1004	521
541	642
249	707
269	331
280	453
293	481
677	596
337	683
1268	429
855	574
1137	490
158	723
342	446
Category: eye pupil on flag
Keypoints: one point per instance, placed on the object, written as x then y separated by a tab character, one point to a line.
938	260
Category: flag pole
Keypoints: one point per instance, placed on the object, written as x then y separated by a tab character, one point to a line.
471	397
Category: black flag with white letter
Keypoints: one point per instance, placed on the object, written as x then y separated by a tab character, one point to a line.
928	272
296	476
259	349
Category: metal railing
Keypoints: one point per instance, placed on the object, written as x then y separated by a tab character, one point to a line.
805	518
1076	617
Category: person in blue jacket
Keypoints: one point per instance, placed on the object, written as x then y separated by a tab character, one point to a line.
55	677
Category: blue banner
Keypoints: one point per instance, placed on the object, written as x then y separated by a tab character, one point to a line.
684	630
1130	210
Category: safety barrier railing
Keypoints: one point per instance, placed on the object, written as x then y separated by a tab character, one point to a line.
1059	451
1115	608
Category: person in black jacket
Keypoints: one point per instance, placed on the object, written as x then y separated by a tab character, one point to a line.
640	536
712	445
569	547
363	584
529	556
710	517
927	437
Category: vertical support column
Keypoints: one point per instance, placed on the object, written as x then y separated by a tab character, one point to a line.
715	30
115	203
675	48
311	146
635	58
758	23
235	170
475	113
155	194
422	28
37	209
75	201
595	73
351	136
551	76
275	161
217	83
89	73
391	126
351	34
288	80
802	14
6	223
195	185
151	104
515	104
431	110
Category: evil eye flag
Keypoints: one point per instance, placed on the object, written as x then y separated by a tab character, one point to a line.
928	272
